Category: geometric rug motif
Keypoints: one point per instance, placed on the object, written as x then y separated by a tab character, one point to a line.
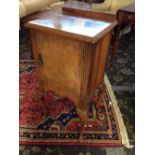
61	125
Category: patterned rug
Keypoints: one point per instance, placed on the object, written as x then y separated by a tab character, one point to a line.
105	126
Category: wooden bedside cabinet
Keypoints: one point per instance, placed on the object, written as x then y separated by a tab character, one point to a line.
70	54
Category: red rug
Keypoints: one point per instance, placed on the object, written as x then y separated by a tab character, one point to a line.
62	124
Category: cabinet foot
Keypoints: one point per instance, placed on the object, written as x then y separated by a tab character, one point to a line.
83	115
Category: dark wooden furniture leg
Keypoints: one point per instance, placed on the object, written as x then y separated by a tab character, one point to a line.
115	45
125	15
116	38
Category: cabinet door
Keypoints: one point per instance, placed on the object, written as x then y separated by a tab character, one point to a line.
60	62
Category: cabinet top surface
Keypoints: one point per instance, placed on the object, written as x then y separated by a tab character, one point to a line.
71	24
85	27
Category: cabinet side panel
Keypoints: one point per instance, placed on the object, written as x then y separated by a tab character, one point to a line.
98	63
86	67
103	57
94	67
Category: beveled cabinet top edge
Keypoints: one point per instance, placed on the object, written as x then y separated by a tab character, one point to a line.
80	28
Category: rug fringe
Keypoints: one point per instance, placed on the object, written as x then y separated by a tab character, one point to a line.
123	131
